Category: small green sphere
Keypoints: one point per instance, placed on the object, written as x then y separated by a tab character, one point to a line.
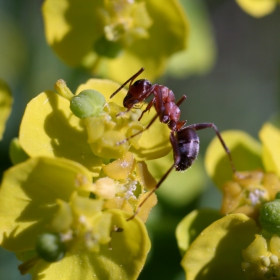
49	247
270	216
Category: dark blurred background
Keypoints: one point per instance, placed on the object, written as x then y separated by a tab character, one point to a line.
240	92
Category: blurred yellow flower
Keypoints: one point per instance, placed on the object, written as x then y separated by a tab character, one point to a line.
258	8
116	38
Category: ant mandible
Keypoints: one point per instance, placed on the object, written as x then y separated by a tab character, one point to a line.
184	139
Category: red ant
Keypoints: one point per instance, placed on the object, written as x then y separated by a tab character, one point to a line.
184	139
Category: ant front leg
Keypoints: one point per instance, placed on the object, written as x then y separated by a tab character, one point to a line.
200	126
149	106
139	132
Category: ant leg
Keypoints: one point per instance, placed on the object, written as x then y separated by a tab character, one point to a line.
151	192
148	126
200	126
139	132
176	152
149	106
131	79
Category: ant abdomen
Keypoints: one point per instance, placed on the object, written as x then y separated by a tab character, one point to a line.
188	146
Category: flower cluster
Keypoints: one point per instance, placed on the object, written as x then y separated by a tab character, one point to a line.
76	181
116	37
247	227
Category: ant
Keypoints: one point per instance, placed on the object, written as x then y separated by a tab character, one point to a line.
184	139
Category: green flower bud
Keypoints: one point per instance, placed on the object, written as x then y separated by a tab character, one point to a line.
49	247
270	216
110	49
87	103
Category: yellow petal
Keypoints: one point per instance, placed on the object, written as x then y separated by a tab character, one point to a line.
49	128
257	8
106	88
245	151
121	168
191	226
28	197
217	250
256	249
63	35
275	245
147	206
270	137
154	142
123	259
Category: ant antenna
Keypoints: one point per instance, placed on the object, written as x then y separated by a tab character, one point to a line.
131	79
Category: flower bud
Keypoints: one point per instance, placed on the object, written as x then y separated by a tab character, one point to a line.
270	216
49	247
87	103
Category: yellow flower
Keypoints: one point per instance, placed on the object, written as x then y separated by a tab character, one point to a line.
49	128
49	195
251	208
261	258
258	8
78	182
116	38
247	194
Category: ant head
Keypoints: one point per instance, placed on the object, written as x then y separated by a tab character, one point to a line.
140	86
129	101
137	93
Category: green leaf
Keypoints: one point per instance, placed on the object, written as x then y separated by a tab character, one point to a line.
245	151
217	252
